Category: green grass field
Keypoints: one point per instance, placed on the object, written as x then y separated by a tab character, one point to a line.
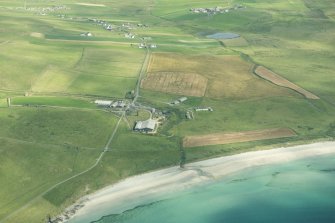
57	132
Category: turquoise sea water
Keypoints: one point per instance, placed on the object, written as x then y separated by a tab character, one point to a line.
300	191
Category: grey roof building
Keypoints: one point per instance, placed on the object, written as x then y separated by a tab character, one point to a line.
145	126
182	99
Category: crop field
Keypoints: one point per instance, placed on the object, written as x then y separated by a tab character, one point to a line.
237	137
189	84
220	71
267	74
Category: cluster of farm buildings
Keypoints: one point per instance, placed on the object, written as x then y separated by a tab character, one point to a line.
111	27
45	10
147	45
111	104
125	28
147	126
215	10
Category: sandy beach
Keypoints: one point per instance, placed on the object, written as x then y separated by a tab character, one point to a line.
90	4
153	186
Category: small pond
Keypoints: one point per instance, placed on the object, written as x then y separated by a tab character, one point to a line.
223	36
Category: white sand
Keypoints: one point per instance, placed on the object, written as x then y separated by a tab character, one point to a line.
90	4
153	186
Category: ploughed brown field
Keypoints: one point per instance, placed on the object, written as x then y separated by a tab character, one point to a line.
269	75
190	84
235	137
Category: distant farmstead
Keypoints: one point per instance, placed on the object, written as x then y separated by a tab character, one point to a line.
179	100
147	126
203	109
88	34
103	103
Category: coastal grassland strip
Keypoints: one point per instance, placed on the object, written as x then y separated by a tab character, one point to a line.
29	168
70	178
237	137
265	73
252	114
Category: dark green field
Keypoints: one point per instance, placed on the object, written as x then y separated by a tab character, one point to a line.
53	131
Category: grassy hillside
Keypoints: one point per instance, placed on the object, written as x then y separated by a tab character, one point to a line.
52	74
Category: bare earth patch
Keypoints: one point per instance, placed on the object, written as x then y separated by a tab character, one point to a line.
90	4
227	138
37	35
190	84
267	74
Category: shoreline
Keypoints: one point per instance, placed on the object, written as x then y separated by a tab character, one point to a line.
157	185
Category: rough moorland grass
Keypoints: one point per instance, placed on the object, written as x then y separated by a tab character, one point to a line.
54	79
57	126
130	154
31	65
27	169
3	102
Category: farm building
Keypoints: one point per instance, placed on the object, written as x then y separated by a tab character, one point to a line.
145	126
203	109
119	104
142	45
88	34
182	99
189	115
179	100
176	102
103	103
129	36
152	46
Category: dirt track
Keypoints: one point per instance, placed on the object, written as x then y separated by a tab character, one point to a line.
267	74
227	138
